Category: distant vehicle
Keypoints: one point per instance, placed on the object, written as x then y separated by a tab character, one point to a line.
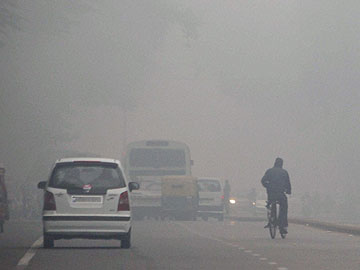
179	197
4	207
149	160
211	198
87	198
260	207
149	194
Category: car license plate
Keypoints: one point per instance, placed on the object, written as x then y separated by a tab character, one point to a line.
86	199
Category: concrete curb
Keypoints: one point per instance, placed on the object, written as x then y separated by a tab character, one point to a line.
349	229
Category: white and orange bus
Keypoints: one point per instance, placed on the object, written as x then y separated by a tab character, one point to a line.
146	162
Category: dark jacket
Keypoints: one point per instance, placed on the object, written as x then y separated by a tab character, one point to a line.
276	179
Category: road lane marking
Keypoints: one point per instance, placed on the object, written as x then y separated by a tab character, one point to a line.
24	261
249	251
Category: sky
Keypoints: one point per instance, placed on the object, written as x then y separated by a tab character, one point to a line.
241	82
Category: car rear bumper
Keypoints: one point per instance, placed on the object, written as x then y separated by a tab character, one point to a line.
211	208
88	235
86	226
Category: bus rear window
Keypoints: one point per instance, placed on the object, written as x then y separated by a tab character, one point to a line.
157	158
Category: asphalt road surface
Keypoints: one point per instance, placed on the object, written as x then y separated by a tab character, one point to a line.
184	245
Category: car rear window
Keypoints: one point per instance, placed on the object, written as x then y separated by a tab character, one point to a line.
209	185
82	175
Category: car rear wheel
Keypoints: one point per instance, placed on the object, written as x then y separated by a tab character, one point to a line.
48	241
126	241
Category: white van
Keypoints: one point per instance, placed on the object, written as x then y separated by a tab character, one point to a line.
211	198
87	198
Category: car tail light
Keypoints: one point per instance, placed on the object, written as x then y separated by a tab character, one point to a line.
123	204
49	201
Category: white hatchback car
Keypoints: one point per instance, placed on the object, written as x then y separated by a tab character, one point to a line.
211	198
87	198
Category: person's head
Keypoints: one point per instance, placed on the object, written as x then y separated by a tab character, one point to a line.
278	162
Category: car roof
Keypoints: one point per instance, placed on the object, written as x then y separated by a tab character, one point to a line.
88	159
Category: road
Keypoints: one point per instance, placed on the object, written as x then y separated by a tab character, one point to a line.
184	245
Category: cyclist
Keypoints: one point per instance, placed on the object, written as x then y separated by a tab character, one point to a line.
277	182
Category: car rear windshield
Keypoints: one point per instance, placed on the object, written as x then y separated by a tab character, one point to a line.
82	175
209	185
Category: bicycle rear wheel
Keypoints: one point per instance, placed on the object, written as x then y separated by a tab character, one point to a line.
272	229
273	221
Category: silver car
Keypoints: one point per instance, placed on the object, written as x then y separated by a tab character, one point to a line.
87	198
211	198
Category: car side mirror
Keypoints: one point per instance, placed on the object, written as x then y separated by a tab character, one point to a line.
133	186
41	185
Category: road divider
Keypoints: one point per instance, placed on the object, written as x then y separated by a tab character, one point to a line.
328	226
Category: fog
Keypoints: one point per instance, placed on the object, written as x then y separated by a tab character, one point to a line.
241	82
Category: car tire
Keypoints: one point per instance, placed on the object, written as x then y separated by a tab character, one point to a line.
126	241
205	218
48	241
1	227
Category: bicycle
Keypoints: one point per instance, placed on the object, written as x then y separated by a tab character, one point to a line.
273	219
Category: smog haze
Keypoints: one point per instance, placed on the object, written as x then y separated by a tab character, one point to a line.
240	82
